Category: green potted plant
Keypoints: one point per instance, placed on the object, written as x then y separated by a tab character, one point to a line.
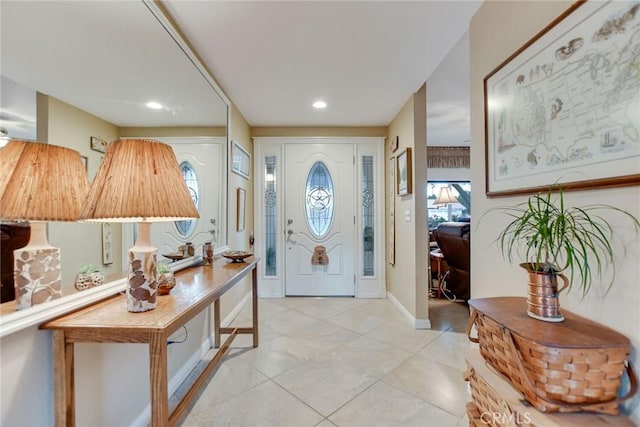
166	281
88	276
554	238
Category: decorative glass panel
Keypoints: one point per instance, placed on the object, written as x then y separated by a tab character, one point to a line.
185	227
319	199
368	208
270	212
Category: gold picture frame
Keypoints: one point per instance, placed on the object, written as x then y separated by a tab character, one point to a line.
403	171
553	118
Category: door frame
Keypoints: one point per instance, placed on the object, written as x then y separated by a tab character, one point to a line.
273	286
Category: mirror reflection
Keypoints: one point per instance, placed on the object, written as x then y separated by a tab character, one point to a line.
72	75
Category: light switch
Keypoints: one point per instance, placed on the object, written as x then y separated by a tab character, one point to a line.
407	215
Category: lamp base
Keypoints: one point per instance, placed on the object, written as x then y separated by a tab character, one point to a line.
36	275
142	285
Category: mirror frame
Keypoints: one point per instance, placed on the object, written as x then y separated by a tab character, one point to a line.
19	320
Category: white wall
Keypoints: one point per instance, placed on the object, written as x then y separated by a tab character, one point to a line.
407	279
444	174
496	31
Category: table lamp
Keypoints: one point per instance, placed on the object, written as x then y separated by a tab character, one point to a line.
139	180
39	183
446	198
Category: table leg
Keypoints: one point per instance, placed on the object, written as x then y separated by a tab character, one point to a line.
158	377
64	388
254	297
216	323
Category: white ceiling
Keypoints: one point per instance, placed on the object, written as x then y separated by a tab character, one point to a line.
363	58
273	59
106	58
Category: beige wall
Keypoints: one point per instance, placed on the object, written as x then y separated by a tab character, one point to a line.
239	240
406	280
185	131
420	222
81	243
496	31
312	131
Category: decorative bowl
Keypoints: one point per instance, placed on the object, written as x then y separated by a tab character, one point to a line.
174	256
236	256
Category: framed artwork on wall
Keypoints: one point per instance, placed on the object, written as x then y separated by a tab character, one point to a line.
241	208
394	143
99	144
403	171
562	110
240	160
392	211
106	244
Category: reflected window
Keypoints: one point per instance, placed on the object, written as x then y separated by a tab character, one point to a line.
319	194
185	227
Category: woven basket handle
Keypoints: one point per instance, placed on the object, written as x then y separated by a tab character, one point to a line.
633	382
470	323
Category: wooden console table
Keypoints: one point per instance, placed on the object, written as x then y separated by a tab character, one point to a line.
110	322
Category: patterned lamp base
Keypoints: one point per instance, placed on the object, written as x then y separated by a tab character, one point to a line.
142	285
36	275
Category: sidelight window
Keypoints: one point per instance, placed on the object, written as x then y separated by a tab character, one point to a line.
270	215
368	208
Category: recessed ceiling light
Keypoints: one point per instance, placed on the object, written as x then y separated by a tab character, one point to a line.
319	104
154	105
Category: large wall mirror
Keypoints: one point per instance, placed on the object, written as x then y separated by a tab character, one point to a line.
73	71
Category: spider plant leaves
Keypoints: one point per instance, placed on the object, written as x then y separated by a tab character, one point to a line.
547	232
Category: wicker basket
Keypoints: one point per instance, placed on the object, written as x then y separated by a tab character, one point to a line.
474	415
565	379
492	409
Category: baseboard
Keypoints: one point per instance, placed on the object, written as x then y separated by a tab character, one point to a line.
144	419
416	323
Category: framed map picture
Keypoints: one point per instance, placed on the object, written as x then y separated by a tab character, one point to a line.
565	108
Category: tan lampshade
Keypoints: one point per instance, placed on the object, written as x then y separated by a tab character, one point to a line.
445	197
139	180
41	182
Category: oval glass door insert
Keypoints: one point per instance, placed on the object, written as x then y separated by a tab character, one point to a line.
185	227
319	199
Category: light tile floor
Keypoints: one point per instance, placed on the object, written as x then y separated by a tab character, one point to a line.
339	362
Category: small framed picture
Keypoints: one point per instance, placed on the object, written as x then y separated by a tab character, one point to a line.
85	162
404	172
106	244
99	144
240	160
240	212
394	143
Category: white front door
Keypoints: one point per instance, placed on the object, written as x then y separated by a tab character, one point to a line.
200	162
319	206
